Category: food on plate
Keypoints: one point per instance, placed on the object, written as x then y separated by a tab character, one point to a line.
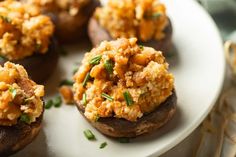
70	16
124	89
143	19
21	108
26	38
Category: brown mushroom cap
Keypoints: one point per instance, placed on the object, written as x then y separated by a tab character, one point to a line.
117	127
16	137
39	66
97	34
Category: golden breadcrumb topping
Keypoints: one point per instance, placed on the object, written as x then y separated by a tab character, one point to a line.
122	79
23	30
71	6
144	19
20	97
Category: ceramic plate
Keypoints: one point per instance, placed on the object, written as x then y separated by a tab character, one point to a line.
198	67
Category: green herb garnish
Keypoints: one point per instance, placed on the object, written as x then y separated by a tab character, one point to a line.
57	101
13	92
106	96
141	47
124	140
95	60
5	19
37	46
25	118
128	98
84	99
2	58
86	79
66	82
156	15
103	145
75	70
109	64
48	104
89	135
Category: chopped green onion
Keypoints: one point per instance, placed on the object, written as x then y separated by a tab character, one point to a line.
103	145
128	98
48	104
84	99
109	64
95	60
5	19
141	47
25	118
106	96
2	58
37	46
13	92
89	135
156	15
66	82
124	140
97	118
75	70
57	101
86	79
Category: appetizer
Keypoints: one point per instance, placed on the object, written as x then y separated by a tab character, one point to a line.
70	16
21	108
143	19
26	38
124	89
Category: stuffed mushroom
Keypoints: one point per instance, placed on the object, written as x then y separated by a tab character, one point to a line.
26	38
70	16
21	108
124	89
143	19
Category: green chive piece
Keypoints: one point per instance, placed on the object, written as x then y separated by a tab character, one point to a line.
103	145
86	79
128	98
25	118
97	118
109	64
2	58
156	15
37	46
75	70
141	47
66	82
106	96
5	19
84	99
89	135
96	60
124	140
48	104
57	101
13	92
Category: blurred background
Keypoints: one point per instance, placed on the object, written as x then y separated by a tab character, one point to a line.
224	14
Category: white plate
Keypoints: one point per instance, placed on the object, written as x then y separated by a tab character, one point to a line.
199	75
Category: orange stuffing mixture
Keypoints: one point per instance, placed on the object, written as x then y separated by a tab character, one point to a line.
73	7
23	30
144	19
20	97
122	79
